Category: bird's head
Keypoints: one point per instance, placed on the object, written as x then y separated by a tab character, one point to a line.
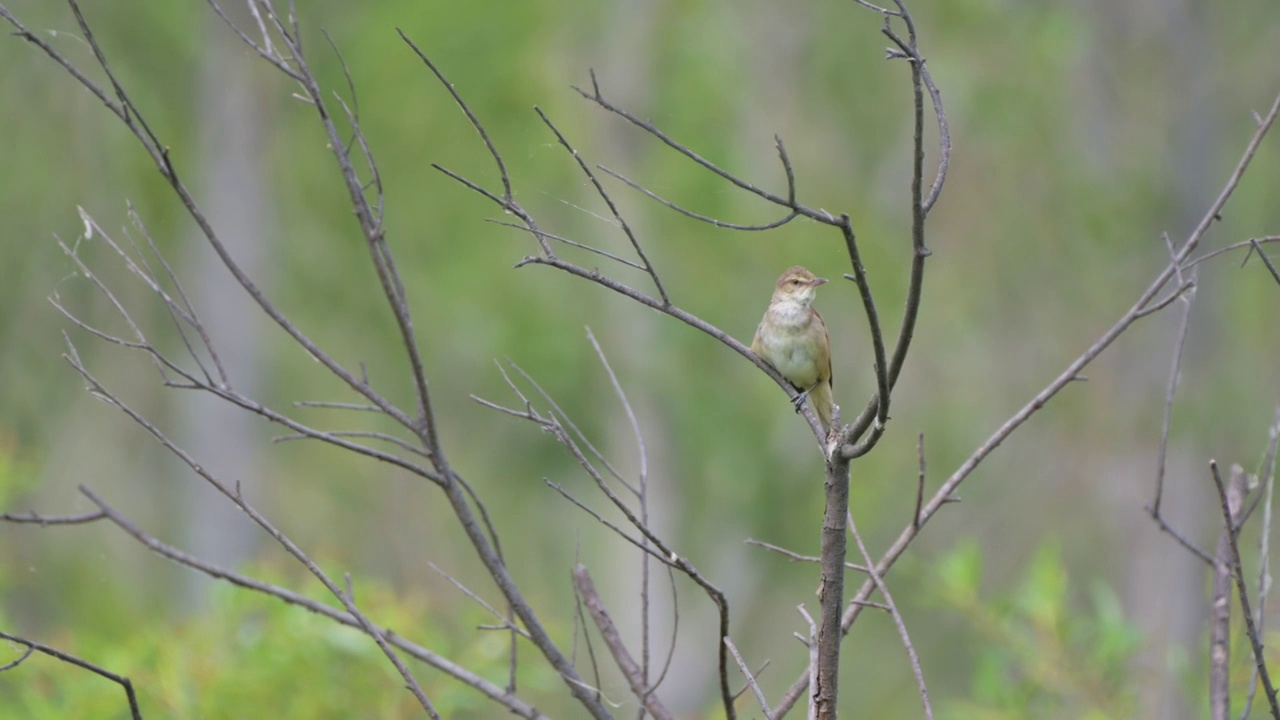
797	285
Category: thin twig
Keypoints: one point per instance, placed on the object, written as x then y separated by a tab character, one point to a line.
1266	261
1171	387
797	557
19	660
571	243
45	520
507	625
695	215
1250	244
897	620
751	679
643	498
915	516
233	494
608	200
495	693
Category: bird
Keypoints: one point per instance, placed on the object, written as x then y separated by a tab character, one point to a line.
793	339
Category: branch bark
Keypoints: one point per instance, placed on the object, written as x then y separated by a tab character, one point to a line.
831	588
612	640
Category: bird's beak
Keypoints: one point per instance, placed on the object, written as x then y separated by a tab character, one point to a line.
818	281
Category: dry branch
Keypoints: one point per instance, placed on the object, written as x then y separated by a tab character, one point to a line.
33	646
612	640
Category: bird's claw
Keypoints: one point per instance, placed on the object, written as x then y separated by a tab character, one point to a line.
798	400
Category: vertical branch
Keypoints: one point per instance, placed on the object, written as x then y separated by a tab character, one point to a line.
831	587
643	497
1220	607
812	644
1264	547
919	211
1251	630
1187	298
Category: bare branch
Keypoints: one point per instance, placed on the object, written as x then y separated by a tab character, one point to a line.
942	496
643	498
1220	605
1266	260
797	557
877	408
1242	591
402	444
605	522
571	243
260	520
132	118
915	516
612	640
698	216
507	625
19	660
1175	373
47	520
883	381
31	645
1250	244
751	679
608	200
1268	473
897	619
290	597
822	216
466	110
580	621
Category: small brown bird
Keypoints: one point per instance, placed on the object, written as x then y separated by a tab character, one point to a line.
793	338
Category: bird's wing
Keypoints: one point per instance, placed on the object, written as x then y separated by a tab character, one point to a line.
824	362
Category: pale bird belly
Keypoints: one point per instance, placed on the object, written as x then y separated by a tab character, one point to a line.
793	358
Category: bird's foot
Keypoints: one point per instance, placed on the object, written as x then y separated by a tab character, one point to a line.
798	401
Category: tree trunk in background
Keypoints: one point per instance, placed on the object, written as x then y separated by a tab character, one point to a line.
229	179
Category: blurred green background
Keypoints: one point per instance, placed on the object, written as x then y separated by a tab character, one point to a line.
1081	131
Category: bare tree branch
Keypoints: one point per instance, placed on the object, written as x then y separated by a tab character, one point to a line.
32	645
1266	260
1250	629
751	679
897	620
1268	475
47	520
260	520
642	496
1220	606
495	693
1070	374
1175	374
612	640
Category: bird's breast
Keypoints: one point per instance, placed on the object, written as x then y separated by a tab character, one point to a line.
789	344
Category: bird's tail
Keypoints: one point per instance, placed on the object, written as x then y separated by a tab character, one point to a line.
820	399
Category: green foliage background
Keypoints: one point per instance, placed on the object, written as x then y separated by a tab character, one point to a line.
1082	133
